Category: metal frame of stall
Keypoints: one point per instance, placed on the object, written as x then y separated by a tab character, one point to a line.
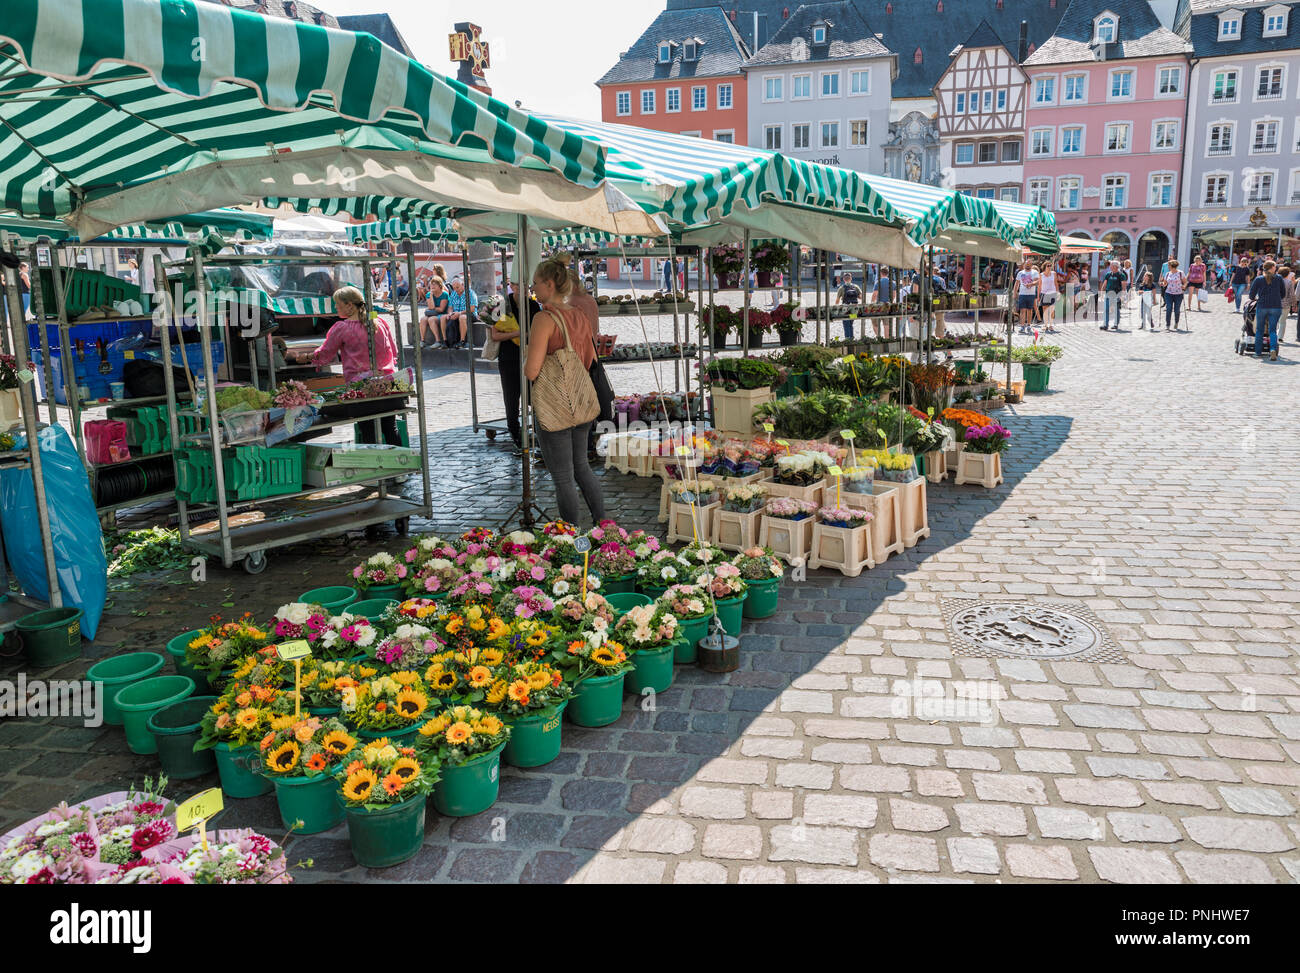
250	542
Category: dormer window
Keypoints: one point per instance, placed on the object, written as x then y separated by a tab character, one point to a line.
1104	28
819	34
1230	25
691	50
1275	21
665	52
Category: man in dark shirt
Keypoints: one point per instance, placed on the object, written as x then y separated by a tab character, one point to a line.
1268	292
1241	276
849	295
1112	286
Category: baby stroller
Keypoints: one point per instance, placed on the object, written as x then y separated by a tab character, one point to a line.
1242	345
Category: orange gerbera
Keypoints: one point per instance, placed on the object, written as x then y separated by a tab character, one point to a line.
518	691
316	762
393	784
356	765
455	624
459	733
480	676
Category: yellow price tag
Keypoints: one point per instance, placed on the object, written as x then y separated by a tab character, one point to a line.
289	651
782	442
201	807
684	451
848	358
768	427
835	471
847	435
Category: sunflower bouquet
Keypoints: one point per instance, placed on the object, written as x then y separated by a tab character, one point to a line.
467	626
464	676
686	601
586	655
395	701
320	682
222	643
665	568
344	636
383	774
308	746
463	733
243	716
527	687
379	569
436	575
646	628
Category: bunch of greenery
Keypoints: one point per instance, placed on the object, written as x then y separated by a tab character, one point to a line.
744	373
805	416
1037	354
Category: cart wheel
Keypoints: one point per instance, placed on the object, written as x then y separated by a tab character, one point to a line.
402	525
491	434
255	563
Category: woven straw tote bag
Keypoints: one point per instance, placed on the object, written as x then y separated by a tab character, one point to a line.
563	394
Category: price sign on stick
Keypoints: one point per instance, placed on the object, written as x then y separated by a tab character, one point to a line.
197	811
836	472
848	435
295	651
583	546
25	375
769	429
782	442
851	359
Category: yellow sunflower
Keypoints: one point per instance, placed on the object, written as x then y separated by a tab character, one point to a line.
497	693
539	680
497	629
336	741
480	676
537	638
518	691
491	657
459	733
406	678
435	726
359	784
411	703
284	757
246	719
279	723
445	682
603	657
490	726
406	768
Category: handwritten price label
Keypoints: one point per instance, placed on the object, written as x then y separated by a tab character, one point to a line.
291	651
582	545
782	442
25	375
848	435
849	358
688	497
768	427
685	451
835	471
199	808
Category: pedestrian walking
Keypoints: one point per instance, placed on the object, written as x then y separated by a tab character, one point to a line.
1196	281
1267	291
849	295
1240	280
1026	290
1174	282
1048	294
1288	302
1112	286
1146	290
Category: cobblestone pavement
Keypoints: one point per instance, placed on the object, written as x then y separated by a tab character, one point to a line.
1153	487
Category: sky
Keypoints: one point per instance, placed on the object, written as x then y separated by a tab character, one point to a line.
544	54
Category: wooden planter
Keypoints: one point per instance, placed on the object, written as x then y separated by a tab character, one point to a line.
847	549
982	468
987	406
936	465
790	540
886	506
813	493
734	531
680	527
737	481
733	412
914	511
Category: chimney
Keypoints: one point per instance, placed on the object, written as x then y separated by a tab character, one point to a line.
1022	48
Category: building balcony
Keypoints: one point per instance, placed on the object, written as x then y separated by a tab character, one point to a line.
1269	96
1219	150
1255	200
1295	197
1216	203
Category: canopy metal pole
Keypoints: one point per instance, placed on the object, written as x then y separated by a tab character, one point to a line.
210	396
170	314
65	343
677	335
419	383
817	293
47	367
699	330
370	343
713	307
526	507
745	283
397	308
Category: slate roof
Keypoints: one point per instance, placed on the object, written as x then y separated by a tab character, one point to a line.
379	25
985	36
289	9
723	52
1139	34
848	37
1202	29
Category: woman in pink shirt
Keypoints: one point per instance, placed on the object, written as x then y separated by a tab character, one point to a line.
349	340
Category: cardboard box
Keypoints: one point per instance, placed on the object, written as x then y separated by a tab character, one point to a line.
374	456
320	467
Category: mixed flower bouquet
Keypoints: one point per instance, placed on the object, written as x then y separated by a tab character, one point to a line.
523	568
725	581
844	516
665	568
434	576
344	636
243	715
613	560
462	733
568	581
800	469
528	601
299	620
473	587
646	628
306	747
575	616
411	610
384	774
758	564
608	530
379	569
527	687
409	647
294	394
465	675
643	545
687	601
701	555
396	701
321	683
787	508
595	655
518	542
961	419
745	499
235	857
705	490
373	388
427	547
991	438
221	644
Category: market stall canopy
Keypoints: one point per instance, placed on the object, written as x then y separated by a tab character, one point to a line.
123	111
396	231
310	227
1073	244
946	218
231	225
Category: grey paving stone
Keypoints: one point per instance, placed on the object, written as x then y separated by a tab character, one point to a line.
815	845
914	816
977	855
1060	822
1257	800
1133	866
1205	869
904	852
840	809
1238	834
1037	861
1142	827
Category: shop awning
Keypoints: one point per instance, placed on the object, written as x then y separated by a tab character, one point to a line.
399	230
108	117
233	226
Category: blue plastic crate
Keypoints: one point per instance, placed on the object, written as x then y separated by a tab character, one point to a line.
90	333
88	374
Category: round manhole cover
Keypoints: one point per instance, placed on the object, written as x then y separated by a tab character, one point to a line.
1027	631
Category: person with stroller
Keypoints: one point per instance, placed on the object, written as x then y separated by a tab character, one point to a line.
1267	291
1174	282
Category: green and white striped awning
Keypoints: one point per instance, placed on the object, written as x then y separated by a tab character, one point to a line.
937	210
233	226
123	111
280	305
363	207
398	230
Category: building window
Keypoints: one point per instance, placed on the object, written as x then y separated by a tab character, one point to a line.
1114	192
1040	192
984	194
772	89
673	99
1216	191
693	135
1010	194
728	136
1170	81
690	51
699	98
1072	140
858	132
1295	186
959	107
988	101
647	103
1068	190
1044	91
1117	137
1040	142
772	137
1275	23
1162	189
988	152
724	96
1259	188
860	82
1002	106
1225	88
830	135
799	136
801	86
1270	84
1075	88
965	153
1166	137
1105	30
831	84
665	52
1220	142
819	34
1011	150
1265	141
1229	28
1121	84
623	102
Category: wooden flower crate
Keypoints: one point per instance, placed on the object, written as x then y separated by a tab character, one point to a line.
847	549
733	412
914	511
733	531
812	493
984	469
886	508
681	527
790	540
936	465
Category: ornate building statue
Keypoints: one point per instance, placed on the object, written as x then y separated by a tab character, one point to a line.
912	150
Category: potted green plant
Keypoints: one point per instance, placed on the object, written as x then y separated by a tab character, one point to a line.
1036	364
727	262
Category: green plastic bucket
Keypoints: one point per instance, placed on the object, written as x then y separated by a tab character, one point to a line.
51	637
371	608
616	586
689	632
235	767
176	729
651	669
535	739
140	700
730	611
762	598
597	701
407	733
119	671
652	591
325	711
176	649
333	599
922	468
471	787
393	591
311	800
964	368
389	836
624	600
1037	375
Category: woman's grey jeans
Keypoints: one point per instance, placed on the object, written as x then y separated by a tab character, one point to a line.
565	453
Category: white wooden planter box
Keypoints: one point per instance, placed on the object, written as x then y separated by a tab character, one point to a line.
790	540
734	531
885	503
936	465
680	526
914	512
847	549
813	493
984	469
733	412
954	455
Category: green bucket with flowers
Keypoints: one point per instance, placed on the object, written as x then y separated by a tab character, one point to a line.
301	760
373	608
308	805
649	633
393	591
386	835
625	584
692	606
652	591
535	738
762	571
235	770
176	649
383	791
531	697
652	669
730	612
762	598
467	743
470	787
404	734
623	600
597	700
